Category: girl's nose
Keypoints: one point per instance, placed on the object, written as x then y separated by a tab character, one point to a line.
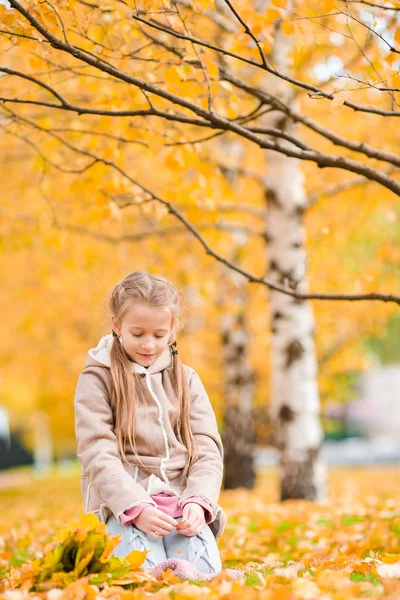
148	346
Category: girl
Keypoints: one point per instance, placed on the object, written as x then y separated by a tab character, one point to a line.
148	443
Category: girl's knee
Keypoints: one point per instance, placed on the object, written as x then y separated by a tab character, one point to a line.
208	563
135	539
204	553
205	566
200	550
126	543
138	540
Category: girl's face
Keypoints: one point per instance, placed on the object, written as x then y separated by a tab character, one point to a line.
145	332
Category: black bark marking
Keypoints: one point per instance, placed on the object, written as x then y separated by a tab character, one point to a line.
286	277
240	350
238	437
299	211
272	198
273	265
286	414
313	453
239	380
266	237
225	338
298	480
294	351
277	315
283	123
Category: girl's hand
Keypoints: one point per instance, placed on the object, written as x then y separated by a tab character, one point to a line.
154	522
193	519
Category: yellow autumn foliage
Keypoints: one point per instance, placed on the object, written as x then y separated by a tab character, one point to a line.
345	549
73	221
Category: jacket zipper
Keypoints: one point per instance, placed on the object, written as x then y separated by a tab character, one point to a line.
161	421
87	497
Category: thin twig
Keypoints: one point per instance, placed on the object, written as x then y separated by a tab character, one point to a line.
173	210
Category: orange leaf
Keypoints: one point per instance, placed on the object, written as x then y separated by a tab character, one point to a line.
171	75
136	558
397	36
271	14
287	27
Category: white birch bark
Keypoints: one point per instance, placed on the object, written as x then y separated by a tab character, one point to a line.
295	404
295	407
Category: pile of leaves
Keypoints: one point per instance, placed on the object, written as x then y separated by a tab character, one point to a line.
82	549
345	549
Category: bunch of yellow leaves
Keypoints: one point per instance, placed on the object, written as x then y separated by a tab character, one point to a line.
82	550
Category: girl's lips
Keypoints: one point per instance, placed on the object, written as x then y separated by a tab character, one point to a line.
146	355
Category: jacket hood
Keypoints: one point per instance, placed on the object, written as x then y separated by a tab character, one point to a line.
100	355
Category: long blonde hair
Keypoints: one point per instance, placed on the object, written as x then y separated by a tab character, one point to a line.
140	287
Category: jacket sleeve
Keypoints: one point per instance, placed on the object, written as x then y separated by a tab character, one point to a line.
97	446
205	475
206	506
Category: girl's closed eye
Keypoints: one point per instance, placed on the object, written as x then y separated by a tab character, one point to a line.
140	335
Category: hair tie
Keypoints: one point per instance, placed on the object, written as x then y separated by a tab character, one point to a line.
173	349
118	336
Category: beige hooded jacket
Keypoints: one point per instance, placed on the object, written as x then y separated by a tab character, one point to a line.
111	486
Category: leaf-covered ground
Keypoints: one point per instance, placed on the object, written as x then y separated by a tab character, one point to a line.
347	548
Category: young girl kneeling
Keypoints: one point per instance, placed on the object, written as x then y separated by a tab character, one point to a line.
148	443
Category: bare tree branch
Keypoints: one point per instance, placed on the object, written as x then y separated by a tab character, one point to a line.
21	35
181	36
372	5
59	20
349	15
221	20
337	139
204	71
333	137
343	186
249	32
91	132
46	159
391	48
173	210
322	160
34	80
160	232
317	92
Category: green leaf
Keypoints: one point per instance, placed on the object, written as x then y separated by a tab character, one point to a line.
350	519
20	557
365	577
284	527
326	522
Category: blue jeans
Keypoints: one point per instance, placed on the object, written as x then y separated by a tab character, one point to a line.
200	550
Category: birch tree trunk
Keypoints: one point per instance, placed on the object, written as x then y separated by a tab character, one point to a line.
238	435
295	404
